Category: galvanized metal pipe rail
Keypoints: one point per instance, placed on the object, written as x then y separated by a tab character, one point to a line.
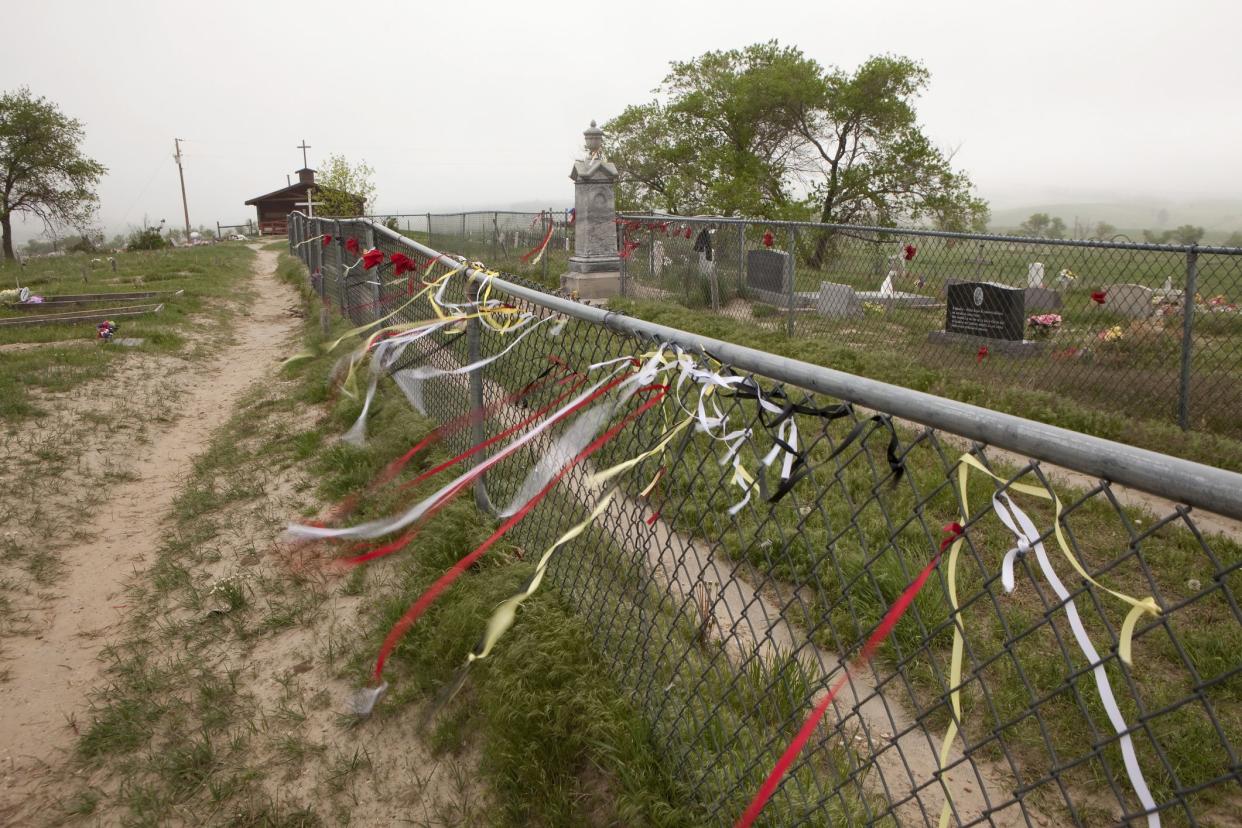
1184	481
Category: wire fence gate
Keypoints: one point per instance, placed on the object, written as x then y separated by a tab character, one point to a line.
1072	659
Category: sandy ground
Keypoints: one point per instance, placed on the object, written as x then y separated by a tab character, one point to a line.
51	671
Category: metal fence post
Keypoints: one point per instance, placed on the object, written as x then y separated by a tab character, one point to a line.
495	237
741	259
1188	325
429	244
474	352
340	267
547	250
792	270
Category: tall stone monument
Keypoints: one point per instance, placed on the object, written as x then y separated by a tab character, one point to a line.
595	266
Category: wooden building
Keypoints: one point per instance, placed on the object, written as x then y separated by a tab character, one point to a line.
274	208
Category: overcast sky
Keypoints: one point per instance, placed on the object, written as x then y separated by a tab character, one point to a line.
472	104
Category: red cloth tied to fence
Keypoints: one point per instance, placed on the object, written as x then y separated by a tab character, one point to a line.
372	257
351	244
401	264
327	240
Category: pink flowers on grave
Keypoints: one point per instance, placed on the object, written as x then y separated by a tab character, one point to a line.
1044	324
1113	334
372	257
909	252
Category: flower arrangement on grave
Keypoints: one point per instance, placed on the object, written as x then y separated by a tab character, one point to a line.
1044	325
1221	304
1113	334
873	307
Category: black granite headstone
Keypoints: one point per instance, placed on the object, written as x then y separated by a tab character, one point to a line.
767	270
986	310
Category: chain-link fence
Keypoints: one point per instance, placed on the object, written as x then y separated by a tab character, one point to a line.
1136	328
725	623
502	238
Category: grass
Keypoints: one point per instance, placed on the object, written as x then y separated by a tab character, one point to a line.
188	326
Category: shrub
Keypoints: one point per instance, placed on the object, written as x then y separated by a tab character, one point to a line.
148	238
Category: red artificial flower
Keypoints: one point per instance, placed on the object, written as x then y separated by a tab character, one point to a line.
327	240
768	239
910	251
687	231
981	355
351	244
401	263
1098	296
372	257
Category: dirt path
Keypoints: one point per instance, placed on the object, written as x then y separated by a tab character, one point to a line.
50	673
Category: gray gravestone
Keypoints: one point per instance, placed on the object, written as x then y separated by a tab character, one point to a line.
837	301
986	310
1131	300
768	271
1042	300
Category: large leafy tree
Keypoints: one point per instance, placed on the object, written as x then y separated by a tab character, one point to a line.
42	169
767	131
344	188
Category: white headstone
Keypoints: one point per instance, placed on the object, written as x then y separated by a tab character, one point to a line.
657	258
1035	274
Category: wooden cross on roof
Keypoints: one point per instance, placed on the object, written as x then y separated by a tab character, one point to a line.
304	147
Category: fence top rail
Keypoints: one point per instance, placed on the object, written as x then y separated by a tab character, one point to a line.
944	234
1184	481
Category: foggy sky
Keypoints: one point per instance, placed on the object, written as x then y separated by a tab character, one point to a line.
482	104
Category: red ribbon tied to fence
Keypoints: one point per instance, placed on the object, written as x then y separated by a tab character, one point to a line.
981	355
351	244
768	239
327	240
401	264
952	531
372	257
1098	296
887	623
910	251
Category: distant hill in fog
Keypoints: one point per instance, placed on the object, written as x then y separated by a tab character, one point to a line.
1217	216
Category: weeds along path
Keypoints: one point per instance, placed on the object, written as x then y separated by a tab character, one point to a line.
49	670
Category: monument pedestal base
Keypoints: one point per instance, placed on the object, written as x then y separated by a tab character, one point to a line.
1009	347
592	286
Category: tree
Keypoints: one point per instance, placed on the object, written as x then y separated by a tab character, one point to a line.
1043	226
767	131
1105	231
344	188
1187	234
42	169
1234	239
1152	237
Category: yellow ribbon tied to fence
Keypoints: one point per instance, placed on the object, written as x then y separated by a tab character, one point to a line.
1138	607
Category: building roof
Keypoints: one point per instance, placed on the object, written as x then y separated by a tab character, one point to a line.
297	189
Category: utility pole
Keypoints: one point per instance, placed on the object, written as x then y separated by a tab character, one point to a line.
181	173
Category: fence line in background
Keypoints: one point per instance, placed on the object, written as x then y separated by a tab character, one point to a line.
724	625
1122	335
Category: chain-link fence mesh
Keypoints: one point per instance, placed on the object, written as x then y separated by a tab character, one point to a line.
724	625
1107	324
